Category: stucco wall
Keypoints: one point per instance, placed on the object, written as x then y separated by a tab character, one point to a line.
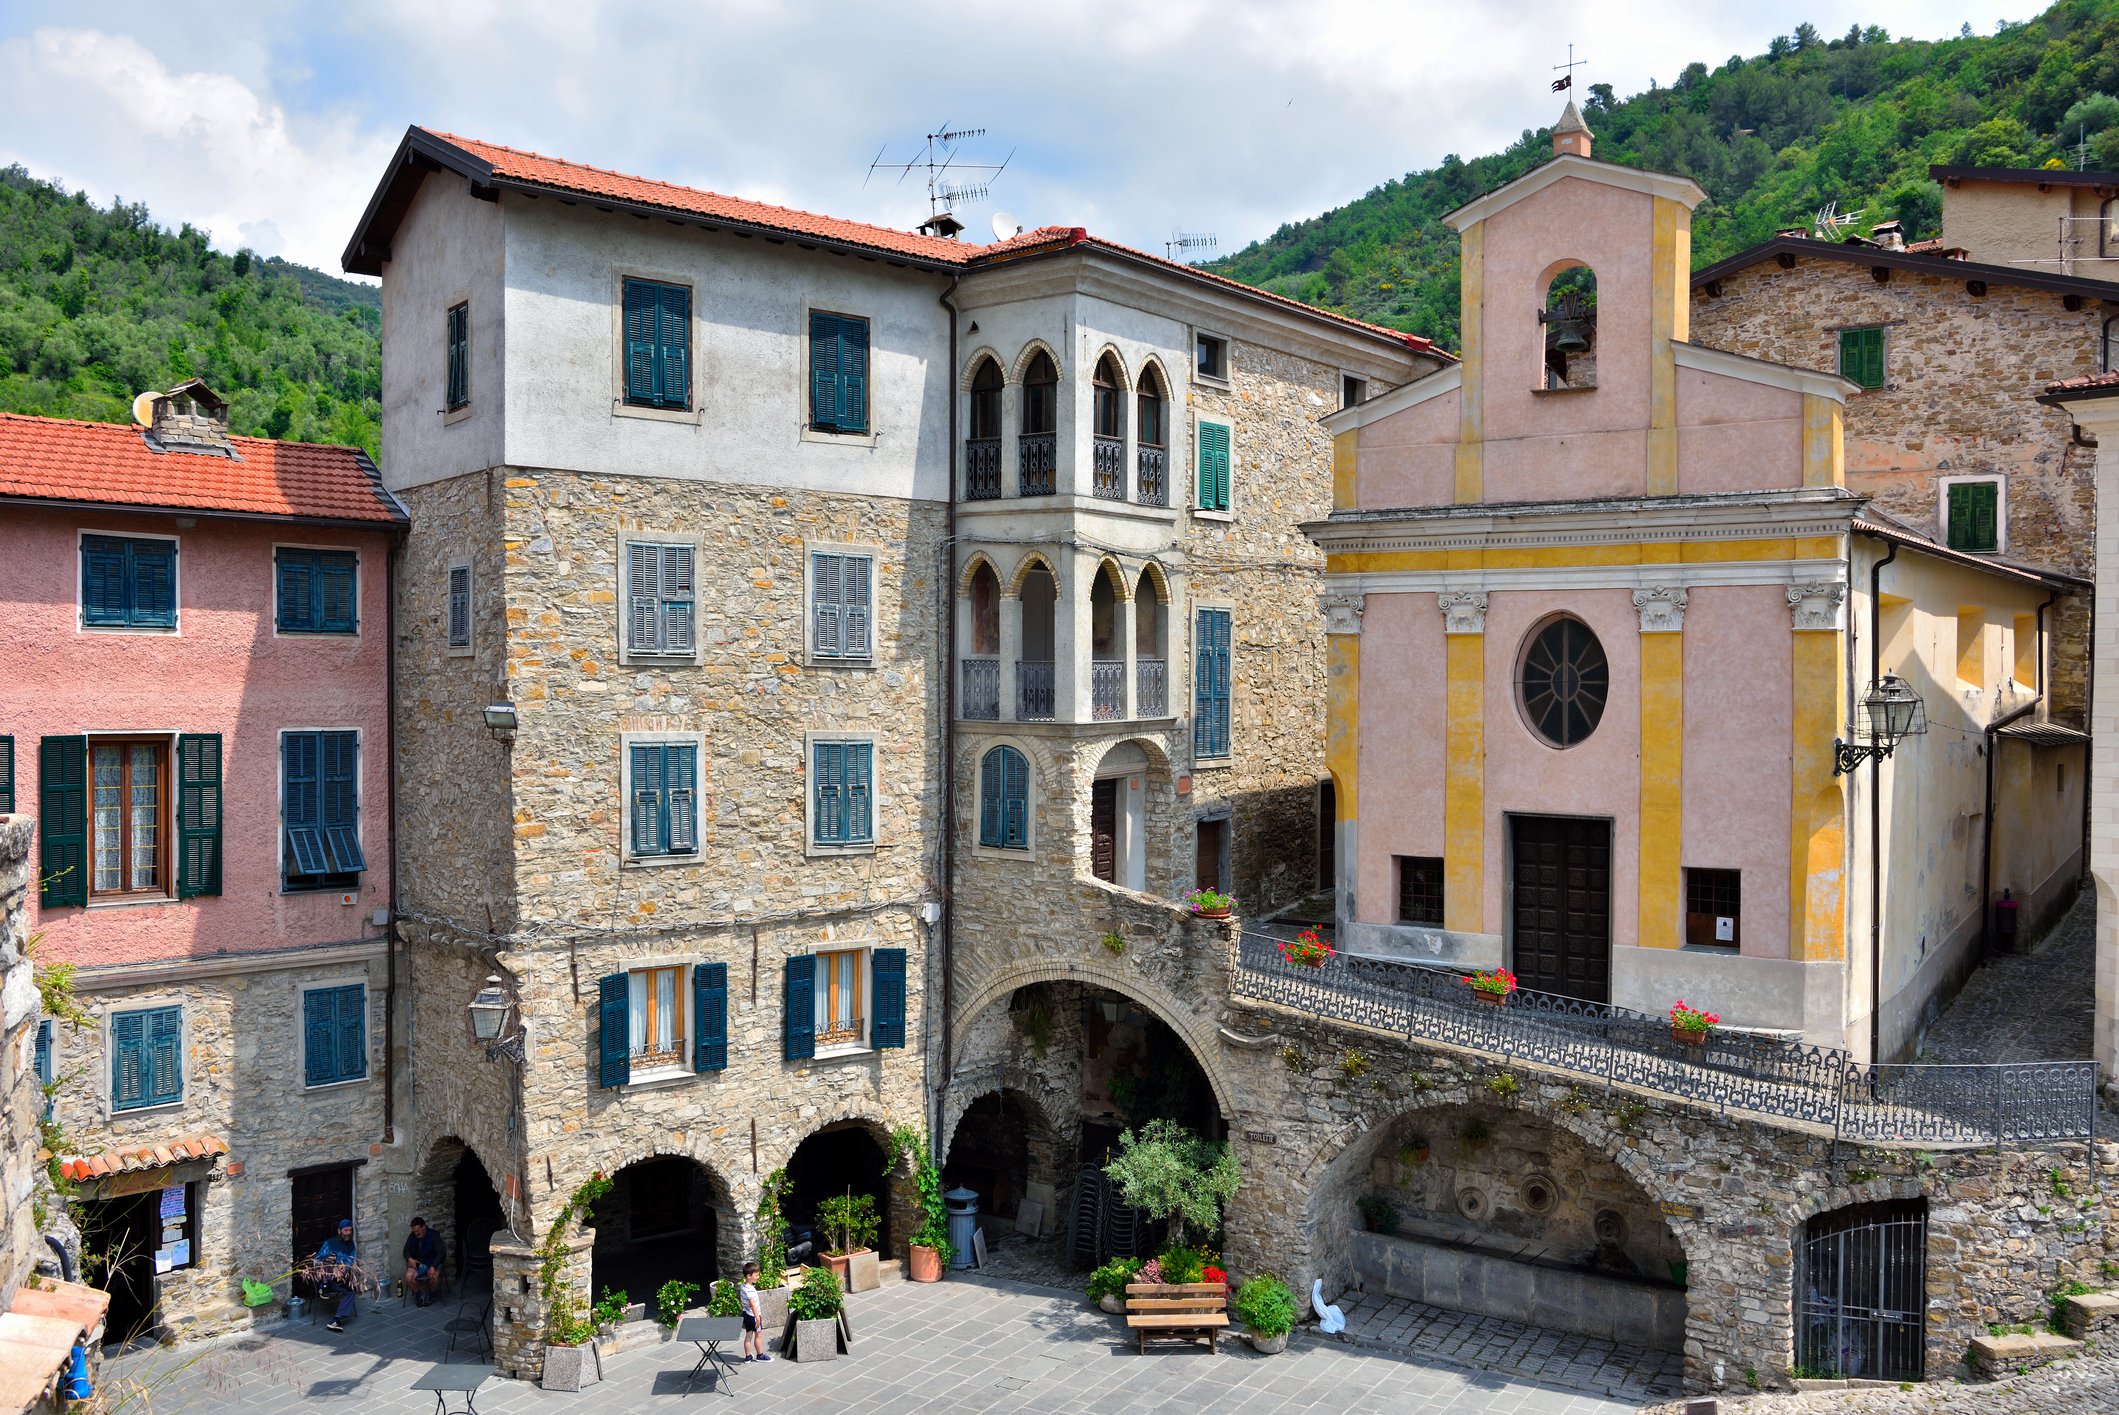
448	249
2010	223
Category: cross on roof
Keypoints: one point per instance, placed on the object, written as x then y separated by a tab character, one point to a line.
1567	80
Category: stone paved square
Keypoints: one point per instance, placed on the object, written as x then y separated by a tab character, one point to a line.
960	1346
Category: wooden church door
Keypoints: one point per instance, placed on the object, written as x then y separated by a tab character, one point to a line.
1561	914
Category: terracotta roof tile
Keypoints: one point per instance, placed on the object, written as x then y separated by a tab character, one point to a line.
135	1158
2086	382
60	459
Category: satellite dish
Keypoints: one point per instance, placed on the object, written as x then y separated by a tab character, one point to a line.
143	409
1005	226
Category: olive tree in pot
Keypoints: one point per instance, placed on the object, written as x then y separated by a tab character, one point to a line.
772	1255
815	1306
931	1249
1266	1308
849	1224
1175	1176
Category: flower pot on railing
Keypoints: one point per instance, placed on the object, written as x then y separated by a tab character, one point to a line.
1492	987
1306	950
1688	1037
1689	1025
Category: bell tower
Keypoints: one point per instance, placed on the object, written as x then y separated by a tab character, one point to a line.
1570	136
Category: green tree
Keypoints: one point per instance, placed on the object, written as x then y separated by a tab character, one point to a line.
1171	1174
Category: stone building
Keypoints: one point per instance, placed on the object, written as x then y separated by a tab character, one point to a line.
742	539
194	714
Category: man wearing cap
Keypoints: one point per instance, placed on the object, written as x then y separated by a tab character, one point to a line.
337	1267
423	1262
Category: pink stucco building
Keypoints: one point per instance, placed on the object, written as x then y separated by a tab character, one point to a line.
194	708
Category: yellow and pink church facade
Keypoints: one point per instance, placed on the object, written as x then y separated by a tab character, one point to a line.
1600	608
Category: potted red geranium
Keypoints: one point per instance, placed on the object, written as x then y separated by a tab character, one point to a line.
1307	949
1492	986
1690	1025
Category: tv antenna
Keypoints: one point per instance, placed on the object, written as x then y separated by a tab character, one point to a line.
1190	241
1830	220
950	183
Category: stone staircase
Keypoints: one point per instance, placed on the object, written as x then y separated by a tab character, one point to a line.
2086	1319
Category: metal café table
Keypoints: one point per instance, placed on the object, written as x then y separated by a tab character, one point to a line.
446	1380
707	1333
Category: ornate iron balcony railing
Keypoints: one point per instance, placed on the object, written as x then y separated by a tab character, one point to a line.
1107	689
981	701
1151	688
982	468
2032	1103
1033	690
1154	486
1037	463
1108	464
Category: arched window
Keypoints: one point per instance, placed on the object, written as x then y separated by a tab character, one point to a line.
1563	681
1108	417
1109	407
982	449
1151	624
1152	489
986	400
1004	800
1037	473
1568	321
985	610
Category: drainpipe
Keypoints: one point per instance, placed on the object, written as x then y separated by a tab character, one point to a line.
2089	703
390	802
1986	841
1876	819
945	927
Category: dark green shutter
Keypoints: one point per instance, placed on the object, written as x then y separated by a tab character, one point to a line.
615	1058
1861	355
7	776
642	308
1213	467
799	1009
319	1037
165	1055
128	1059
62	811
153	583
103	597
673	346
297	581
459	376
888	1029
823	371
992	786
1975	519
710	1016
198	814
352	1032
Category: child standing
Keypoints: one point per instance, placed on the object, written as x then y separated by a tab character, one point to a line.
753	1324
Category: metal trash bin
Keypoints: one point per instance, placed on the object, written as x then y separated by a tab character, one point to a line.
963	1206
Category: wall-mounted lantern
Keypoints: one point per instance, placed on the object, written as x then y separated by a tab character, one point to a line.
500	717
1891	712
489	1016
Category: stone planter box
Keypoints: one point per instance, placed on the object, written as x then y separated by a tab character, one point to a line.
1116	1306
1267	1345
817	1340
571	1367
772	1308
863	1273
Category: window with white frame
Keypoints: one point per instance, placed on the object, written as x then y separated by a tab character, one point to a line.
660	599
842	998
655	1019
841	592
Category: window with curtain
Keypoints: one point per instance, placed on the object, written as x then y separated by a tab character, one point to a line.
129	781
655	1012
840	998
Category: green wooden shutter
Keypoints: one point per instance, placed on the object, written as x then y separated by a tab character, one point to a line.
829	767
198	814
62	821
319	1037
1210	684
1213	467
153	583
860	792
165	1056
673	339
888	1027
1974	516
7	776
853	375
824	371
992	787
614	1050
301	802
1861	355
642	307
710	1016
1015	792
799	1009
128	1059
103	596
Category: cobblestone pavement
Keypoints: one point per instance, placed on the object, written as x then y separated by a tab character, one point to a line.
2009	1009
956	1347
2086	1386
1035	1262
1490	1343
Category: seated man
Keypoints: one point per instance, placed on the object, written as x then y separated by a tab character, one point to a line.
423	1262
336	1271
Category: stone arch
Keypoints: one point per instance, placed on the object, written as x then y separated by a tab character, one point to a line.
1152	374
1036	770
977	357
456	1194
895	1207
1567	325
1158	759
1109	567
1032	560
1153	572
971	570
1001	1143
1118	366
1031	350
672	1214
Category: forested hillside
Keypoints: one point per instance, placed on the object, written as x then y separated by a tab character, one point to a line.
1855	120
98	304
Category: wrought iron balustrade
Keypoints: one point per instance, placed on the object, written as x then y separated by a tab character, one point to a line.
982	468
1037	464
1108	466
2037	1103
981	701
1151	687
1107	689
1033	690
1154	486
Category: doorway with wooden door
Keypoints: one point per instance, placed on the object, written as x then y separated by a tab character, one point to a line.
1560	904
321	1197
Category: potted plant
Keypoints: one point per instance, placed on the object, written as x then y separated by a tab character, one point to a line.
1210	903
671	1300
931	1249
849	1224
571	1361
1492	986
772	1254
608	1312
1378	1213
1307	949
1690	1025
1107	1285
815	1307
1266	1308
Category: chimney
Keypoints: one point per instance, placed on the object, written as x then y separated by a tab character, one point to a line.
1570	136
1891	235
188	418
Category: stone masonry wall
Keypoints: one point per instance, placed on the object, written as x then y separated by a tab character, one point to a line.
21	1093
1961	373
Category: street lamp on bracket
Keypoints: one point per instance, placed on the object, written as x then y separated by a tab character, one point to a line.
1890	712
489	1017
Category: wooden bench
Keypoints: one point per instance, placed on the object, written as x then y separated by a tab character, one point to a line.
1186	1309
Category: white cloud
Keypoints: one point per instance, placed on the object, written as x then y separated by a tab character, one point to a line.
1223	115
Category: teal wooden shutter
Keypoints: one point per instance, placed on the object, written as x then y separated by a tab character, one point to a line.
710	1016
642	311
643	579
673	338
62	821
993	773
128	1059
650	809
888	1027
165	1055
614	1052
860	792
1213	467
824	371
799	1009
198	814
827	598
853	375
154	583
301	802
296	590
337	597
103	598
854	575
352	1032
459	390
674	598
1210	684
319	1037
7	776
340	755
681	773
1015	792
829	768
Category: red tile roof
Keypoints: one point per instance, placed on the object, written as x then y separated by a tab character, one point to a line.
489	162
2086	383
59	459
143	1157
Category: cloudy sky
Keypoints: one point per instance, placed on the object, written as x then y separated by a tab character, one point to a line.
268	122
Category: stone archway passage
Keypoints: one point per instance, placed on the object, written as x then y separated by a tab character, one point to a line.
456	1195
661	1222
841	1159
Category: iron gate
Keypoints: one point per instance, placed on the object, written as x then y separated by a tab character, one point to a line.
1862	1292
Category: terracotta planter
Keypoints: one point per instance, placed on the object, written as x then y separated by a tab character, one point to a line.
1222	913
838	1263
926	1264
1496	999
1267	1345
1691	1039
